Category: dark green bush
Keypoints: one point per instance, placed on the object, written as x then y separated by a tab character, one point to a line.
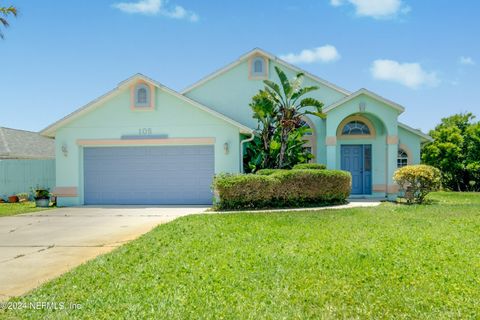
311	166
282	188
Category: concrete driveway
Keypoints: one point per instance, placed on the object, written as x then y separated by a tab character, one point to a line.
40	246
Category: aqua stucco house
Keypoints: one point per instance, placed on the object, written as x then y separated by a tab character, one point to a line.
143	143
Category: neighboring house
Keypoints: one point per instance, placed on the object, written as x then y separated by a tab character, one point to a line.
27	160
143	143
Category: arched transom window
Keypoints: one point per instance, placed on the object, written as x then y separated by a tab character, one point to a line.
402	158
356	127
258	67
142	95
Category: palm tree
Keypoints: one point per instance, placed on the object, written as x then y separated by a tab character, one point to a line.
4	13
291	106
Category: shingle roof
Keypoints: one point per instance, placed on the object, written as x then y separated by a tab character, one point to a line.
20	144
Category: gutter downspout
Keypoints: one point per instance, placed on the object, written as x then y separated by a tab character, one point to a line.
241	149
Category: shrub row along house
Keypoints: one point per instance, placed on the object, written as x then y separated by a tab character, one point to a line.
143	143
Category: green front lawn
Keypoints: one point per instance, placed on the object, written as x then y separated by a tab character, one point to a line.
11	209
392	261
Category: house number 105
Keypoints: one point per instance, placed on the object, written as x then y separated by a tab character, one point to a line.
145	131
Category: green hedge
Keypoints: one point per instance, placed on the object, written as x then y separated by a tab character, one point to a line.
301	166
311	166
267	172
281	189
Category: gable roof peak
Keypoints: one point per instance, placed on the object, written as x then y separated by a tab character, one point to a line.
272	57
50	130
369	93
139	76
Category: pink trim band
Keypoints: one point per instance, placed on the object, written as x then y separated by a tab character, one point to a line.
65	192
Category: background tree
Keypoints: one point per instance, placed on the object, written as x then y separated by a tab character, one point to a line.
279	109
456	152
5	12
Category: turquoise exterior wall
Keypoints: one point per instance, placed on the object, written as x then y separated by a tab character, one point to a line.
411	143
18	176
172	117
231	92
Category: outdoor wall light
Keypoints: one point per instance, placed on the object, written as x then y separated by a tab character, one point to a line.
225	148
362	106
65	149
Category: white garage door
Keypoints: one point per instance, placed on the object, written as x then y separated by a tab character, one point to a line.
148	175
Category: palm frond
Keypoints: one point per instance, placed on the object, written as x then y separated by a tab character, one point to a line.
4	22
318	114
272	85
287	88
8	10
302	91
311	102
296	84
5	12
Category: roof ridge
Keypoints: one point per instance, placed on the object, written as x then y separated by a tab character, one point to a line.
8	128
271	56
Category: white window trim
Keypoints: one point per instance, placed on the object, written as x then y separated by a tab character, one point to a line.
407	151
349	119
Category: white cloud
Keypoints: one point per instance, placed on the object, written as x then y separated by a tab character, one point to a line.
411	75
468	61
327	53
180	13
336	3
378	9
155	7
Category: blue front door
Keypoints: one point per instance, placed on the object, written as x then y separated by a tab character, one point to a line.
357	159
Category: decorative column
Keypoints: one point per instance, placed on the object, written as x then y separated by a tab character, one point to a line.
331	143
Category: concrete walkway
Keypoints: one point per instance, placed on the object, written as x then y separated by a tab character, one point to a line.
37	247
353	203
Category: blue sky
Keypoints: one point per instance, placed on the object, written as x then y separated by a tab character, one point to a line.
59	55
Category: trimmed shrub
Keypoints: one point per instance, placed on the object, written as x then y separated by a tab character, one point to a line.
301	166
267	172
247	191
417	181
311	166
282	188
